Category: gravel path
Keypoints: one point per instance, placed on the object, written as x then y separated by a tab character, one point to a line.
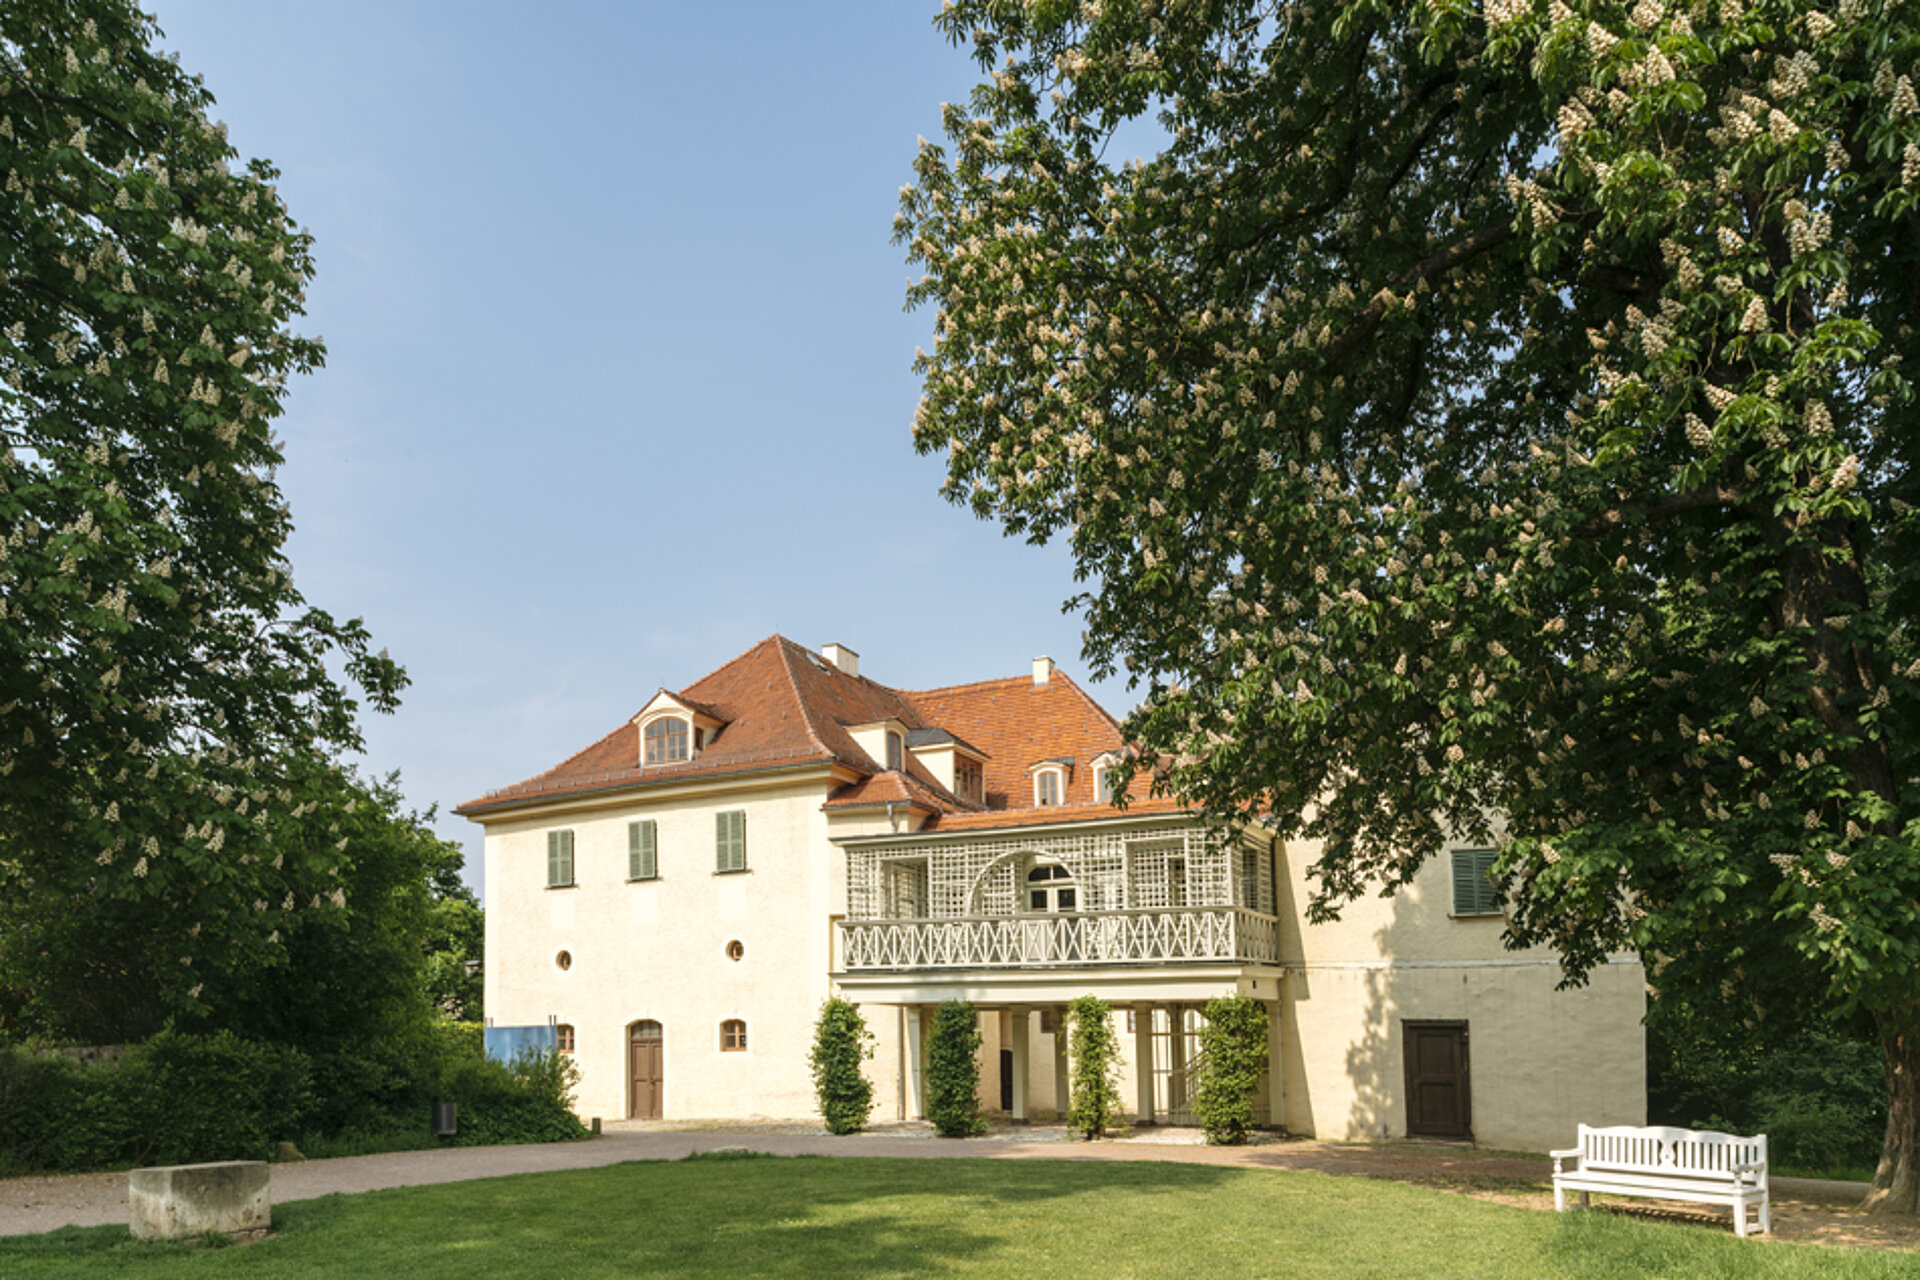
1802	1209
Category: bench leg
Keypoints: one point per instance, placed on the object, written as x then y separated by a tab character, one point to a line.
1559	1198
1740	1220
1766	1218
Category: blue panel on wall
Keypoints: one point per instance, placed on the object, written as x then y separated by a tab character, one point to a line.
505	1043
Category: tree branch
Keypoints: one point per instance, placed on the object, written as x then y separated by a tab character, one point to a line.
1361	327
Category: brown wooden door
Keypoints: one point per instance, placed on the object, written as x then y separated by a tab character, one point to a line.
1439	1101
644	1061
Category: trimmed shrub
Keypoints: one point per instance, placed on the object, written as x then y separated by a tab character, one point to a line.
841	1042
953	1072
1233	1044
1095	1101
177	1099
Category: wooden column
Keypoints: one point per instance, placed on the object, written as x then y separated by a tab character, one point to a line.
1062	1082
1276	1070
1017	1041
914	1064
1143	1062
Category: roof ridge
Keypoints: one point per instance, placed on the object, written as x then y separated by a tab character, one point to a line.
742	656
967	684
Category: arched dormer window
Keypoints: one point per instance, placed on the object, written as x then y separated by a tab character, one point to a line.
669	739
1049	786
896	751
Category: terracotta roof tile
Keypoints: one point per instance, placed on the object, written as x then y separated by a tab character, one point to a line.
1019	724
784	705
891	787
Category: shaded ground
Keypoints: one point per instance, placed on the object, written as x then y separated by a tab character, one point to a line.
1803	1210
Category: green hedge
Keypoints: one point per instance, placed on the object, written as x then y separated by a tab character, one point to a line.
184	1098
1095	1096
841	1042
953	1072
177	1099
1234	1045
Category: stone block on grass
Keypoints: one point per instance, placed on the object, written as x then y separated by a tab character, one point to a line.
185	1201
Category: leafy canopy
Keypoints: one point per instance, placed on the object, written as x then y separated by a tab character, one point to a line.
1471	413
167	698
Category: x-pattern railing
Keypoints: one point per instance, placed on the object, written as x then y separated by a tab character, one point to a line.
1087	937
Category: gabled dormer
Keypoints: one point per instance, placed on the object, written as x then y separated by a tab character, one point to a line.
673	730
1050	781
955	763
885	741
1103	766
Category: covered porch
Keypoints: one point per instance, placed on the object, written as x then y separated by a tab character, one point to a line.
1026	1064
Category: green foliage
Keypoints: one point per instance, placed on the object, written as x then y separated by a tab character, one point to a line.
455	942
177	1099
953	1071
167	698
1816	1089
1095	1096
1470	412
1233	1044
841	1042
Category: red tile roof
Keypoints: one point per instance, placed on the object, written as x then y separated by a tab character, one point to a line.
784	706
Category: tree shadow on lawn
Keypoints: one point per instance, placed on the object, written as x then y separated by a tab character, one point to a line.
701	1216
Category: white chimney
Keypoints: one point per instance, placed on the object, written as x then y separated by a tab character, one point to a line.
1042	670
842	657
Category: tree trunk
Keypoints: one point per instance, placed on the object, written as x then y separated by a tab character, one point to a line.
1896	1183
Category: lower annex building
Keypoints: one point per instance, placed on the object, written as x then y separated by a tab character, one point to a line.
675	901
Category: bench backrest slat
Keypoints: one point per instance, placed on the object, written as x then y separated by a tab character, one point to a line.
1665	1150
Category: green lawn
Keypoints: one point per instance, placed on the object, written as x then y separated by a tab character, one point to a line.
829	1217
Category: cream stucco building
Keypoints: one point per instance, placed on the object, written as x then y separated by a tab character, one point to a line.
676	900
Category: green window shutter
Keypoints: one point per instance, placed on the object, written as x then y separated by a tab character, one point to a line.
1474	890
643	861
559	859
730	840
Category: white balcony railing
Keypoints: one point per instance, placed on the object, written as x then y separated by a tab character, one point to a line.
1083	938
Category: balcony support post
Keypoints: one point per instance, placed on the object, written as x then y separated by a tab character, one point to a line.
1062	1082
914	1063
1143	1063
1276	1070
1018	1043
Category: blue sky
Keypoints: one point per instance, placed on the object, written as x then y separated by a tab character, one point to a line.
618	378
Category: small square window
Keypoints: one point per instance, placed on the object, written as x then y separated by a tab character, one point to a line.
733	1036
563	1037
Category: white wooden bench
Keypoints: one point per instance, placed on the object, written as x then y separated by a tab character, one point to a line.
1668	1164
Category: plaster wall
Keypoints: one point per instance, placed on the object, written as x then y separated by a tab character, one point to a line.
1541	1061
657	949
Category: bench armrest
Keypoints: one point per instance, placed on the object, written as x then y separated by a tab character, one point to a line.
1562	1155
1755	1166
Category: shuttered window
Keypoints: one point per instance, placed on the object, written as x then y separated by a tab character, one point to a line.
643	861
559	859
1475	893
730	840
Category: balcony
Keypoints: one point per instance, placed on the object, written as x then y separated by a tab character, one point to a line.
1088	938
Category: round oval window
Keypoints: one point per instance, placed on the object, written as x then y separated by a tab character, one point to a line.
564	959
735	950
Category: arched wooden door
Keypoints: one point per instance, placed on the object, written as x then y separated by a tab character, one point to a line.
644	1054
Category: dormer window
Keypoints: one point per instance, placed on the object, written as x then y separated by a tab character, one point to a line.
669	740
1049	785
968	781
1105	774
896	751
